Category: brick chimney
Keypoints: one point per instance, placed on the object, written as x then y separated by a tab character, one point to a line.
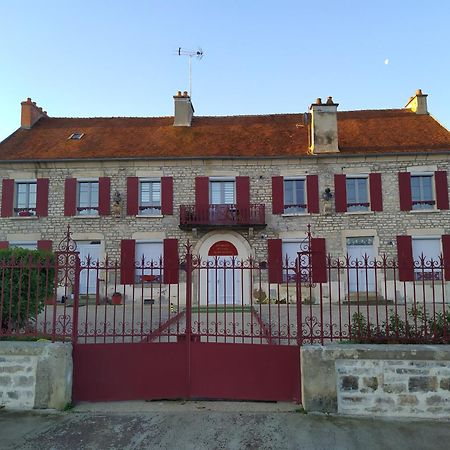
184	111
324	131
31	113
418	103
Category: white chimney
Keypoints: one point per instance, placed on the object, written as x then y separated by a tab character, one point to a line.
184	111
418	103
324	131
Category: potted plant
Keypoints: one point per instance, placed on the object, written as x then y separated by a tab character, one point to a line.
116	298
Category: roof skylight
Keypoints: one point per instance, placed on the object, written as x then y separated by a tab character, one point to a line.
76	136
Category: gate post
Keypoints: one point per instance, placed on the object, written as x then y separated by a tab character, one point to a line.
188	317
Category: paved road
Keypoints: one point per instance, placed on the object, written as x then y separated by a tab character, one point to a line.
211	425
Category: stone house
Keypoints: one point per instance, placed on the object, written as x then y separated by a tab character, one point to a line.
371	182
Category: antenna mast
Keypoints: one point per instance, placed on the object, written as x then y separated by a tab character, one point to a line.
190	53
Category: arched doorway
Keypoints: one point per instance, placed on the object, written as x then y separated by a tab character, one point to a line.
221	280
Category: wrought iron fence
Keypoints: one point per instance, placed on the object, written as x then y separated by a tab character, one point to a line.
222	299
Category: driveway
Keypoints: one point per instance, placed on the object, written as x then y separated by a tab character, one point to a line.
210	425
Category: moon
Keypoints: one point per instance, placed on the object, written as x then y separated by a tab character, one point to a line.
386	61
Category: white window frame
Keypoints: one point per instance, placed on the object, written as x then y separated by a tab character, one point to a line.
358	206
90	209
299	208
419	272
429	204
218	180
29	245
153	274
152	209
29	209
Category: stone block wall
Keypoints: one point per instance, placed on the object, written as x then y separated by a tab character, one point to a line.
382	380
35	375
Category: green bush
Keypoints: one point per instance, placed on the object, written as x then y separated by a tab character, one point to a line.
27	279
419	327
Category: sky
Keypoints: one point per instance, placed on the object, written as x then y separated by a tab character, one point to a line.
105	58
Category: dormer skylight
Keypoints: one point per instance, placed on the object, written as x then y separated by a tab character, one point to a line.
76	136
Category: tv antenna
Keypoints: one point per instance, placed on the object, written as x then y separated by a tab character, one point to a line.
190	54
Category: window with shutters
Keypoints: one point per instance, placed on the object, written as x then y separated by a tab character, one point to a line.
426	255
357	193
149	262
222	191
149	197
87	199
296	254
25	198
294	195
422	194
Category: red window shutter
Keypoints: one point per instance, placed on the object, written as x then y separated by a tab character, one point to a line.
170	261
405	258
7	197
202	196
132	196
274	249
4	244
104	196
312	192
440	179
45	245
340	192
243	198
318	260
277	195
243	192
404	188
167	195
42	197
446	255
127	261
70	197
376	194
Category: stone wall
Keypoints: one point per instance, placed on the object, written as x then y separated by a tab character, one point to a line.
35	375
382	380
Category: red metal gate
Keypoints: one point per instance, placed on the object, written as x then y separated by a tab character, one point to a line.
192	339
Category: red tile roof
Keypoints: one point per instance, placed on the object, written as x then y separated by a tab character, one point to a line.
376	131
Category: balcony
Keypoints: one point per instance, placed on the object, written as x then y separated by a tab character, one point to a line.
222	216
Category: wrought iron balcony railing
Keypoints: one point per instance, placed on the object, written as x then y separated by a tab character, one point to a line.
213	216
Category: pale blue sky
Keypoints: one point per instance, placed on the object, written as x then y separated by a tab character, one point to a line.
117	58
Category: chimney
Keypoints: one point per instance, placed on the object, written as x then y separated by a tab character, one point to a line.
418	103
184	110
31	113
324	131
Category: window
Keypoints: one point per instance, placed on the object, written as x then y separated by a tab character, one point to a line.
87	198
422	192
294	196
149	197
149	262
426	255
293	250
25	204
29	245
76	136
222	192
357	194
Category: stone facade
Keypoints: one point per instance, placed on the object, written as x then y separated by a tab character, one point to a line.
384	225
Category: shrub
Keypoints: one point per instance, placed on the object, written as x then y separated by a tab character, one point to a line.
419	327
27	279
